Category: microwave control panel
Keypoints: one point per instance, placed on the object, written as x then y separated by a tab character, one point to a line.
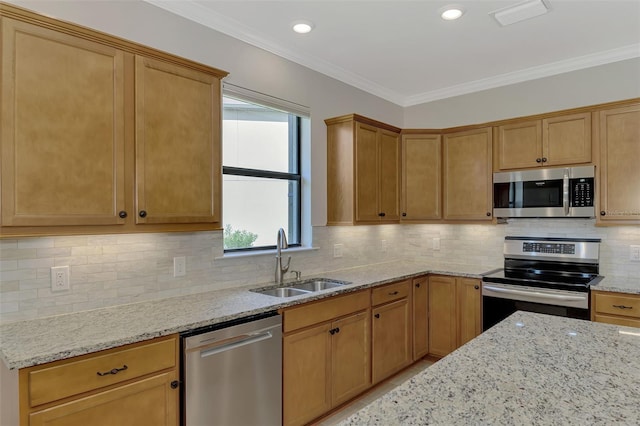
582	192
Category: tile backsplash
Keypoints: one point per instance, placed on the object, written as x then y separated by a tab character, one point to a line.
109	270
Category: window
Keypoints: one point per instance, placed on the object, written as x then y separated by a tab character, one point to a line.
261	174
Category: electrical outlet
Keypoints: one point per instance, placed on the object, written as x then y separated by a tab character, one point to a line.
59	278
179	266
634	253
435	243
383	246
337	250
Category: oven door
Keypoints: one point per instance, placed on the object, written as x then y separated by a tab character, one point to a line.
501	300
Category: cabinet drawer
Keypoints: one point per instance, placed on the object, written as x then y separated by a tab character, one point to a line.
62	379
324	310
617	304
608	319
390	292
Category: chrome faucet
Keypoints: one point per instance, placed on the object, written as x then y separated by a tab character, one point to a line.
281	243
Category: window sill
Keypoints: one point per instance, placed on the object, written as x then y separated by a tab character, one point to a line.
271	252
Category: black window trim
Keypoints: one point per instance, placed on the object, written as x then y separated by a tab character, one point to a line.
294	216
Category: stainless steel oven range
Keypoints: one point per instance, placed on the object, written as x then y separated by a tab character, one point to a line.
544	275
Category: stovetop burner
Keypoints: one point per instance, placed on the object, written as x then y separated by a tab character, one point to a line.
544	279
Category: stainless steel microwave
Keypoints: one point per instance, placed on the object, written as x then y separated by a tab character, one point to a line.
552	192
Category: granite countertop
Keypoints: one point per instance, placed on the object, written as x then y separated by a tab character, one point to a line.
528	369
27	343
619	284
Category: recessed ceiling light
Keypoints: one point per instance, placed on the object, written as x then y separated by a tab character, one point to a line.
302	27
451	12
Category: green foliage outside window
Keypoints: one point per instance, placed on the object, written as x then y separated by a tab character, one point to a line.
238	238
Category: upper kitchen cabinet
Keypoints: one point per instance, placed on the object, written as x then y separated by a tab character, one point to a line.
553	141
63	130
363	171
467	187
619	174
178	150
421	197
101	135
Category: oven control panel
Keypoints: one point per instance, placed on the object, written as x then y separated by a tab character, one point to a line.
556	248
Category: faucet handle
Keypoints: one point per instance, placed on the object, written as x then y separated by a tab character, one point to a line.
286	268
298	274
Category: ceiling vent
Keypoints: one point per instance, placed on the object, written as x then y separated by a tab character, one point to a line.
520	12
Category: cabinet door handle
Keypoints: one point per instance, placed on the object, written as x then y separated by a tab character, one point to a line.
393	293
476	287
122	214
544	159
538	160
418	285
488	214
622	307
337	329
143	213
113	371
404	214
175	384
603	213
382	214
377	315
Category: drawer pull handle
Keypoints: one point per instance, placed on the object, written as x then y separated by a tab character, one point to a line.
377	315
622	307
114	371
393	293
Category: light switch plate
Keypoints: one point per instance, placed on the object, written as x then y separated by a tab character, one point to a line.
179	266
634	253
337	250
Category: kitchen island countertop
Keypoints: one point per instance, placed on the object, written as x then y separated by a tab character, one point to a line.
529	369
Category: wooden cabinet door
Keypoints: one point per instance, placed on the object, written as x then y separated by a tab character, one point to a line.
566	139
62	129
421	177
178	165
350	357
306	379
389	175
519	145
442	315
366	173
391	339
619	138
420	302
150	401
468	175
469	309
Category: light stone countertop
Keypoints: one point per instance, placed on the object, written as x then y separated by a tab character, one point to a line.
530	369
619	284
27	343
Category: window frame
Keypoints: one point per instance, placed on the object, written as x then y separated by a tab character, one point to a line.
294	211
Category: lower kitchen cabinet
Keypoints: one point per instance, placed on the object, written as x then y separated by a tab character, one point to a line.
455	315
326	355
132	385
469	295
420	301
442	315
390	329
615	308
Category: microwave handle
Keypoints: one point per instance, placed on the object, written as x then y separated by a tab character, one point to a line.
565	192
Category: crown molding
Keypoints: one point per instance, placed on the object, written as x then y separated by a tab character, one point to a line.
528	74
197	13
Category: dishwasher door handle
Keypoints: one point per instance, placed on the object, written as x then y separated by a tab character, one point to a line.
229	346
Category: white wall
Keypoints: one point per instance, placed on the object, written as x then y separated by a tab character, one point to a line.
605	83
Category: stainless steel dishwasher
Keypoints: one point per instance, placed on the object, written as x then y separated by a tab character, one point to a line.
233	375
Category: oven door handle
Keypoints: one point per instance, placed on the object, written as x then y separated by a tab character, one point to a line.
533	294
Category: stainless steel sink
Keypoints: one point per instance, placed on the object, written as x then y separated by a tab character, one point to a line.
317	284
298	288
282	292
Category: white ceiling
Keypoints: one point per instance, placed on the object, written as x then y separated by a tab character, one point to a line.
404	52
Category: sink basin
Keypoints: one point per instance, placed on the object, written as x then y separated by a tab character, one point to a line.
298	288
283	292
317	284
